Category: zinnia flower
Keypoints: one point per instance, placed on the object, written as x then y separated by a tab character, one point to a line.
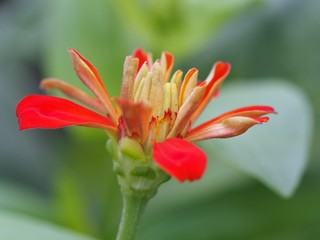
151	120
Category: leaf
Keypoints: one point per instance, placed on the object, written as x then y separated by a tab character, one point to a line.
275	153
19	227
24	200
249	213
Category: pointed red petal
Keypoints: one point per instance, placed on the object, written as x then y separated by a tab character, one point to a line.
229	127
220	71
250	111
89	75
142	56
74	53
180	159
72	92
220	127
217	75
36	111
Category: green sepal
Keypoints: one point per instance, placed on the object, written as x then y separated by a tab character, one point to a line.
131	148
143	171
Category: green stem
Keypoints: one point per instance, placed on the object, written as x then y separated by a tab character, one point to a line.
133	207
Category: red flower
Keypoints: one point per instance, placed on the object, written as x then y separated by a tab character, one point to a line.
154	110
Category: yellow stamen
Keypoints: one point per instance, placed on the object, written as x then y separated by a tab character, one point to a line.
139	90
167	96
141	74
129	74
170	97
146	87
176	79
156	91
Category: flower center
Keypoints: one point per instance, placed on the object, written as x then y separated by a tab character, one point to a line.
170	99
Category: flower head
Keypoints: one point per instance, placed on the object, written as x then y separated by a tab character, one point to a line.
154	114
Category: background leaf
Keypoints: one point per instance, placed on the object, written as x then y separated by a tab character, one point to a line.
245	212
19	227
21	199
275	153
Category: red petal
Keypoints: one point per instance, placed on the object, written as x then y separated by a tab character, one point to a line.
88	64
221	70
180	159
215	94
72	92
142	56
229	127
89	75
219	128
217	75
36	111
250	111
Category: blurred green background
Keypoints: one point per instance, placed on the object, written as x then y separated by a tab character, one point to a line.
64	177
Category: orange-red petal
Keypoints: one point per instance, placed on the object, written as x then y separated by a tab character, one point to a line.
216	77
73	92
230	124
180	159
219	72
36	111
136	117
229	127
250	111
89	75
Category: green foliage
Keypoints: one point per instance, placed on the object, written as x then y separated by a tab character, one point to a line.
21	199
275	153
18	227
247	212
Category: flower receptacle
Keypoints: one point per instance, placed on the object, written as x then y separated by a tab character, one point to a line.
137	174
